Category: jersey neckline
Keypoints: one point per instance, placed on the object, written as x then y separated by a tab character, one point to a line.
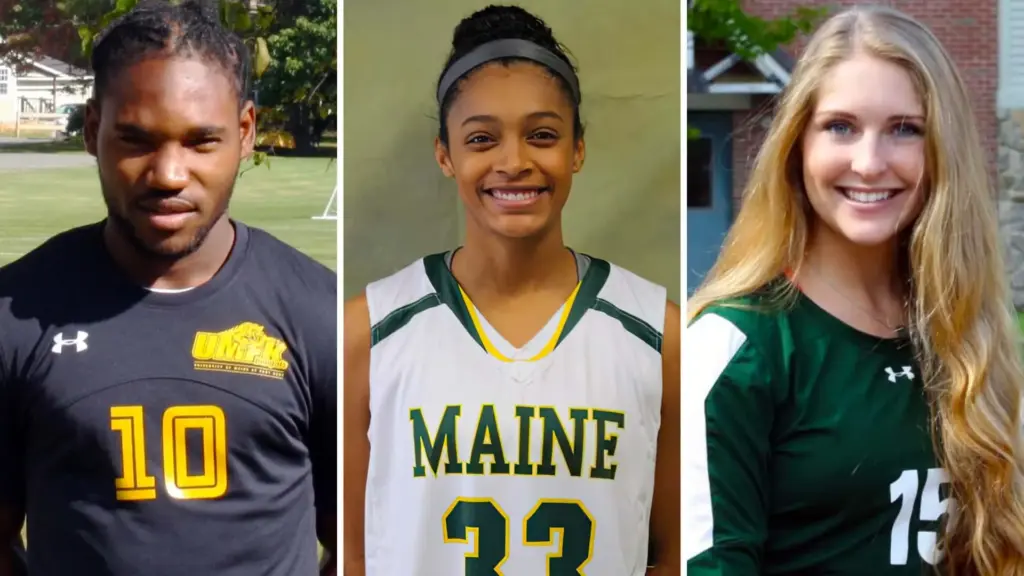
859	336
131	290
451	294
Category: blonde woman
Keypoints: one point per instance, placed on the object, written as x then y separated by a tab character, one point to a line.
854	381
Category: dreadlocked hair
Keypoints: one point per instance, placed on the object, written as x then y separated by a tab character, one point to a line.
159	28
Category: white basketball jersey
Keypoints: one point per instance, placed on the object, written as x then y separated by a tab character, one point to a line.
490	460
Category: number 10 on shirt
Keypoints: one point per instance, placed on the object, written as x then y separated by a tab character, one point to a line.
136	483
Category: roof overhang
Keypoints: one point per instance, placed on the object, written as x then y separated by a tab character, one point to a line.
58	74
23	61
774	67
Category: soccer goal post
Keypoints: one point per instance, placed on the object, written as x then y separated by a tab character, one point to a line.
331	210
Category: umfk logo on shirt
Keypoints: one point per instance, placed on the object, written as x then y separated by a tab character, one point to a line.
244	349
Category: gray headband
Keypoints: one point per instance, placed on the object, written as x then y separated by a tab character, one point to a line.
507	48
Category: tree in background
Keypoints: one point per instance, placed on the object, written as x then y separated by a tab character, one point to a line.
293	43
303	73
32	28
725	23
744	34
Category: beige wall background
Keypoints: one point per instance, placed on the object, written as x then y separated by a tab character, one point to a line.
625	204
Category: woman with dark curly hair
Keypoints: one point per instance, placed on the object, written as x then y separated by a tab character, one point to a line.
511	389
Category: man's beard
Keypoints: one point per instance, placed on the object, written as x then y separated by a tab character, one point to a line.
126	230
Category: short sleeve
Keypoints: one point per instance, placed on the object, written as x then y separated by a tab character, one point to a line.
12	465
323	441
727	415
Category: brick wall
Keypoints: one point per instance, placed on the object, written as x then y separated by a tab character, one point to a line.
967	28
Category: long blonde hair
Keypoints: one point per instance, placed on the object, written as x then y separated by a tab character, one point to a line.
961	321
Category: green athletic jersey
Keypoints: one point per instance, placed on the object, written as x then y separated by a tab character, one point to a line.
807	447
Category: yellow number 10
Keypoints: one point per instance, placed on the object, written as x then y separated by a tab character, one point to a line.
135	482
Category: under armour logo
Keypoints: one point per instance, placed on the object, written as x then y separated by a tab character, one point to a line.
79	342
908	373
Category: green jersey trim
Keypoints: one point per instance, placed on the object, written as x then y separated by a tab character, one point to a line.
446	292
399	317
635	326
586	299
447	289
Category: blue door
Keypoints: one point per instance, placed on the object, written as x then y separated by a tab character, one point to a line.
708	192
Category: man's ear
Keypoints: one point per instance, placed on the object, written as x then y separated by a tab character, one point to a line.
91	129
247	129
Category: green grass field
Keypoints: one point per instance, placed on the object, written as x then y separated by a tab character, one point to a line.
281	199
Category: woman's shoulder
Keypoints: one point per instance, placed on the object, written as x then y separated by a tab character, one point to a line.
618	280
762	309
738	339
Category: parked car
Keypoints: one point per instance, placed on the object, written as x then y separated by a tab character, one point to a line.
72	119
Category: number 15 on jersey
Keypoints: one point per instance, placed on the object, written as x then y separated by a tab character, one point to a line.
907	491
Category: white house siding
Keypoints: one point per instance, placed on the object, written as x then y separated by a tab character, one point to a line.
33	90
8	97
37	90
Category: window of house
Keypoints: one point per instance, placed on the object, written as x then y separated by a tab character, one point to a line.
4	78
699	175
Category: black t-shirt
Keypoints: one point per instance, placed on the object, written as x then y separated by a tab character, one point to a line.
20	568
168	433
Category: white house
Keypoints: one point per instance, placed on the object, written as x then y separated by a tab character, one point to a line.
43	86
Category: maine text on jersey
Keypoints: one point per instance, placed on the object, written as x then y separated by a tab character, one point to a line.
592	431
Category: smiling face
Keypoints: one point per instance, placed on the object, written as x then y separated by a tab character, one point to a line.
511	149
864	151
168	135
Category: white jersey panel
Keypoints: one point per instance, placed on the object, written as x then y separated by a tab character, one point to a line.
512	461
394	293
642	299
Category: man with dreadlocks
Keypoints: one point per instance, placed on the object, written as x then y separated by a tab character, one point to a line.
168	375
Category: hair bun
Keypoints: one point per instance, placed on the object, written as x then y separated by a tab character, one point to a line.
498	23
